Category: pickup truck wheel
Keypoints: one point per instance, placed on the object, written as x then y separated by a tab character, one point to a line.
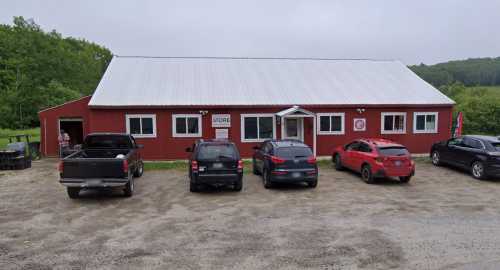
267	179
436	159
140	169
129	188
366	174
477	170
404	179
73	192
338	163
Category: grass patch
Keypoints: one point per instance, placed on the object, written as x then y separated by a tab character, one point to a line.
422	159
182	165
5	133
165	165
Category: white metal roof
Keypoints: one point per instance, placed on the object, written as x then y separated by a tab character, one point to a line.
157	81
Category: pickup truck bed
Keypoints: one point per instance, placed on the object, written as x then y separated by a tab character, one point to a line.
111	162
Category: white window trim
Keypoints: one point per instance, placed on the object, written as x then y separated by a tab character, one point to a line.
127	124
186	135
383	131
242	124
342	124
415	114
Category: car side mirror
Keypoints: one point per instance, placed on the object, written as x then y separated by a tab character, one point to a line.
140	146
188	149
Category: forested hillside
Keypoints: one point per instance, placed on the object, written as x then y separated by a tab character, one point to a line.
41	69
470	72
474	84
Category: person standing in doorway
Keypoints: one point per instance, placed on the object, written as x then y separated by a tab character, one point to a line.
63	139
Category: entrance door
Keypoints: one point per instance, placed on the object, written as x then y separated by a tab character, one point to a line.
74	128
293	128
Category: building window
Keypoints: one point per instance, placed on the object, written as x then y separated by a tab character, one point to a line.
425	122
393	123
141	125
331	123
186	125
257	127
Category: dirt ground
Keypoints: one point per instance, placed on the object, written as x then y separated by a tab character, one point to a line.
442	219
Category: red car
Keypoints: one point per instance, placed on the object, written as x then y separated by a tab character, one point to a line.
375	158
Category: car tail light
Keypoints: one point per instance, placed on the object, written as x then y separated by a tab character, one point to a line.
311	160
125	166
60	167
279	172
240	164
277	160
194	165
311	172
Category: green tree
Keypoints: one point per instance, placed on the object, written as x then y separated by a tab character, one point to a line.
40	69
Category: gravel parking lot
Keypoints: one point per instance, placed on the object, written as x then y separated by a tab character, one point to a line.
442	219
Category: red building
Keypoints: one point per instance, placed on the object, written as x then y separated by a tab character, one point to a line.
167	103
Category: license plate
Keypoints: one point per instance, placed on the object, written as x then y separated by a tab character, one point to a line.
217	165
296	175
397	163
93	182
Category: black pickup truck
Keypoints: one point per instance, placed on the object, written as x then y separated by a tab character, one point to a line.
106	160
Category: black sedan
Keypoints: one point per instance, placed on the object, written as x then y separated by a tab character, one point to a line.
478	154
285	161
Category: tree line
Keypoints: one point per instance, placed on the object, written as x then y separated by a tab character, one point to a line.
41	69
470	72
474	84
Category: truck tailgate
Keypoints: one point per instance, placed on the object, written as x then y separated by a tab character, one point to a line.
93	168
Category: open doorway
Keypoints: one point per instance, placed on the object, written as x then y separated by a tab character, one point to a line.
74	128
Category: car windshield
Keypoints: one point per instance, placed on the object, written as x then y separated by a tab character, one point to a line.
293	152
393	151
496	145
217	151
107	141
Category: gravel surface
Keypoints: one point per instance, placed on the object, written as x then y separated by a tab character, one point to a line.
442	219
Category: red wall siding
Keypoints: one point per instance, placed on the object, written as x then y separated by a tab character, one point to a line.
49	123
416	143
164	146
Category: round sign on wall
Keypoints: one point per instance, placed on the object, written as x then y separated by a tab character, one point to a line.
359	124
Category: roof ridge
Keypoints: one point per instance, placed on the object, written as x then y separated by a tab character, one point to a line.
256	58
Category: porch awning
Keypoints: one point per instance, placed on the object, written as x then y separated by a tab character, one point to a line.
295	111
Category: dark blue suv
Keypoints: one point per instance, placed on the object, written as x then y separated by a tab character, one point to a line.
285	161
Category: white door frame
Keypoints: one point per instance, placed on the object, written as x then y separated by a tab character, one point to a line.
296	112
300	127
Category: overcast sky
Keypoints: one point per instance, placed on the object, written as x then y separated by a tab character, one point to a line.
427	31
